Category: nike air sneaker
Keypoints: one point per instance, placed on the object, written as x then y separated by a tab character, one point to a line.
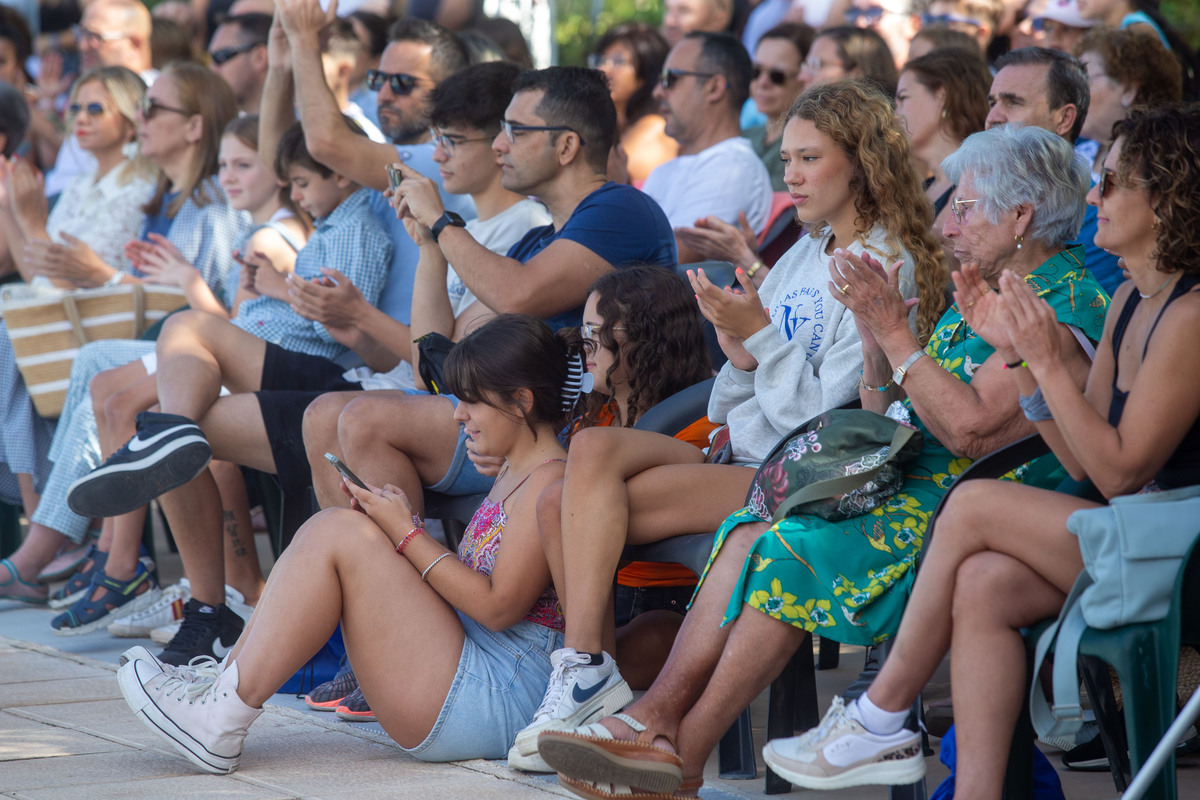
199	714
206	631
840	752
166	610
579	693
234	601
167	452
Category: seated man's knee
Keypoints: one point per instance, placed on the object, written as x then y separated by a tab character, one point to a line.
369	419
320	424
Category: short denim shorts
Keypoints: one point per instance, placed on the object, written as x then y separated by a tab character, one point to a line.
462	478
500	682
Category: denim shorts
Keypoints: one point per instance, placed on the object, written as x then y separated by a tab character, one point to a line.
500	682
462	478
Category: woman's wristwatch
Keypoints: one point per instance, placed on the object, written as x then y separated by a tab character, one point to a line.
902	370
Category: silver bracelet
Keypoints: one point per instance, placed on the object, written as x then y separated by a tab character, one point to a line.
113	279
1035	407
434	564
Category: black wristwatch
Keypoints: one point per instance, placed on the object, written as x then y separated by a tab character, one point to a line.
448	218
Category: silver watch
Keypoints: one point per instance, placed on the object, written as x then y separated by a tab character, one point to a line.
902	370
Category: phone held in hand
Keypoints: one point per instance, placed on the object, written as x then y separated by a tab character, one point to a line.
346	473
394	177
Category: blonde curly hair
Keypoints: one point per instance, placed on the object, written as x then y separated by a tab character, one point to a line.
859	118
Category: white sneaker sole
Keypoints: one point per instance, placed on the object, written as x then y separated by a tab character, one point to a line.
885	773
153	718
533	763
164	634
610	701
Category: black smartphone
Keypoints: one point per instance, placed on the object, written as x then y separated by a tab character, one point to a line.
346	473
394	177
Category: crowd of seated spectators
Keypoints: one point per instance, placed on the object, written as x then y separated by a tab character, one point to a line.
337	196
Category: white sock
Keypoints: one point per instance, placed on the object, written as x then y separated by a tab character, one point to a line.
874	718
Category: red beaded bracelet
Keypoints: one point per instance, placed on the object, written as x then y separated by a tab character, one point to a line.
403	543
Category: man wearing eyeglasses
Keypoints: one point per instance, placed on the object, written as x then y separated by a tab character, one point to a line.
705	81
238	53
112	33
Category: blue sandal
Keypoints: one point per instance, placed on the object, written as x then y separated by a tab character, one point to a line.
9	587
78	584
119	599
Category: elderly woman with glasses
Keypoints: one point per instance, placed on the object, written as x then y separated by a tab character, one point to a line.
1021	198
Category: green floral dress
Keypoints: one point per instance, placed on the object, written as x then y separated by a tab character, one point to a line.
849	580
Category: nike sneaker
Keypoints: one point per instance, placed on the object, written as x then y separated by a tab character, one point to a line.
840	753
163	634
579	693
205	631
167	452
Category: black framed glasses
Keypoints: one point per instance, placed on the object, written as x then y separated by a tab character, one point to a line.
670	77
959	207
150	109
399	82
775	76
512	129
449	141
92	109
219	57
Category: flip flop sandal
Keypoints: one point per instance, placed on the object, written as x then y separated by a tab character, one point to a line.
9	589
593	754
78	585
88	615
593	791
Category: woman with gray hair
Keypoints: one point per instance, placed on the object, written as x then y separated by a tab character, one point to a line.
849	580
1021	198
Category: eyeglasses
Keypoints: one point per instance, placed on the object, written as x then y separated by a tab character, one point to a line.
449	141
511	129
670	77
949	20
1108	181
219	57
92	109
870	15
814	64
94	38
597	61
400	83
775	76
150	109
959	207
588	331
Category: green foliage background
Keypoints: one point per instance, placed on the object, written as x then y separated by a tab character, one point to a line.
576	28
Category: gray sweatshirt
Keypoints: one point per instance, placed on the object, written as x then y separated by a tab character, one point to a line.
809	358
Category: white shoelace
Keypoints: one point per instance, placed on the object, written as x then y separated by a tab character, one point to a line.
835	716
557	684
195	679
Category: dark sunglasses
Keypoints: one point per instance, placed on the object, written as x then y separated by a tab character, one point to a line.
775	76
219	57
870	15
399	82
670	77
949	20
150	109
1108	180
92	109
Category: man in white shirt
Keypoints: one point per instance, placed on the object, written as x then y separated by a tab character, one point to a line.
705	81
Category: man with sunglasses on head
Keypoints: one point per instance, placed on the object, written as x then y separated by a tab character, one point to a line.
112	33
238	53
705	81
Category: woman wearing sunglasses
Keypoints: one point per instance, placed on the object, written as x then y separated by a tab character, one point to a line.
631	56
774	86
180	122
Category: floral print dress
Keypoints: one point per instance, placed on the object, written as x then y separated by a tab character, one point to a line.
849	580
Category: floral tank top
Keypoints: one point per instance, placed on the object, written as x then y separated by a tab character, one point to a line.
479	546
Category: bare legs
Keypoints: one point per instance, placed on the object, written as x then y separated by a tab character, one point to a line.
342	566
321	437
199	353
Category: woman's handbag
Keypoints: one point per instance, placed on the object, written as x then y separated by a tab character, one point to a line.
839	464
47	328
1132	551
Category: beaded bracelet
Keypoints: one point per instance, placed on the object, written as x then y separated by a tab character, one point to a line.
403	543
433	564
868	386
1015	365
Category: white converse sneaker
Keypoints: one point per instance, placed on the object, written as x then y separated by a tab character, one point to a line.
187	672
840	752
576	695
167	610
203	718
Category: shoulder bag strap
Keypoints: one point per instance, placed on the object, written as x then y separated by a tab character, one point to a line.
1065	716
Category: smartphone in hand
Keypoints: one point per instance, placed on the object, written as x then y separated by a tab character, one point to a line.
346	473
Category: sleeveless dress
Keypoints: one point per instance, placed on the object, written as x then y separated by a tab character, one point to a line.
850	579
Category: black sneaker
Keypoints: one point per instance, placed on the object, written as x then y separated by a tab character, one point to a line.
167	452
210	632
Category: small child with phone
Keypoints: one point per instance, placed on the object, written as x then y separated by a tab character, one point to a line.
451	650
